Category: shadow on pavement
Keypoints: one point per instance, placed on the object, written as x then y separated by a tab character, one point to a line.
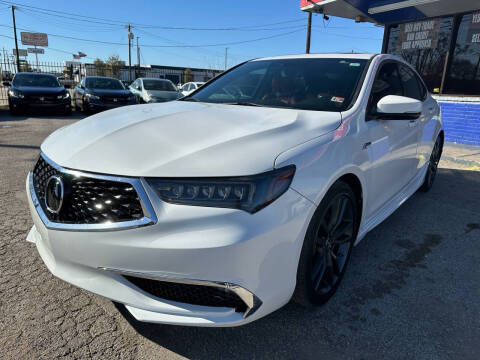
400	292
6	116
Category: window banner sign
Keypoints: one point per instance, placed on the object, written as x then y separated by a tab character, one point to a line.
474	29
419	35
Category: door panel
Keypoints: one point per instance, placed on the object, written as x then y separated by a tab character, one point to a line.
392	145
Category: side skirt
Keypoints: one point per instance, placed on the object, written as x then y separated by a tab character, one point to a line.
393	204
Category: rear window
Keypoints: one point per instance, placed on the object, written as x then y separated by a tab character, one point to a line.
35	80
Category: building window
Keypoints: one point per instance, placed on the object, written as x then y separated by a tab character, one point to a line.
464	70
424	44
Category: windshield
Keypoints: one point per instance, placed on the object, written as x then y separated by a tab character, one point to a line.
308	84
104	83
36	80
162	85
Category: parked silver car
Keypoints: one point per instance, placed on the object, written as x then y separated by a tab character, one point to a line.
151	90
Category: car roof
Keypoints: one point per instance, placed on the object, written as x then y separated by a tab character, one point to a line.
100	77
159	79
35	73
367	56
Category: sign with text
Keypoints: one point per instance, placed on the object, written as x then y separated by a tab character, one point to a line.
35	39
474	29
21	52
36	51
419	35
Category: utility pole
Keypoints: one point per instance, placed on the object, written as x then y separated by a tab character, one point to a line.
138	54
16	42
130	37
226	57
309	32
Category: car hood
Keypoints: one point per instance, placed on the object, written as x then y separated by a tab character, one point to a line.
109	92
185	139
171	95
38	90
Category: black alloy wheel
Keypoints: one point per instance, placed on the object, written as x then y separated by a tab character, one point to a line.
327	246
432	165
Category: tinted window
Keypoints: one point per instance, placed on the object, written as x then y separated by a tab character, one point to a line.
35	80
386	83
410	83
162	85
427	55
104	83
464	75
309	84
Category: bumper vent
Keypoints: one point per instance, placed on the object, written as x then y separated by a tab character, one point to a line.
87	200
190	294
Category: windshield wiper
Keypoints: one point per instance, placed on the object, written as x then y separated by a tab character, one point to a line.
244	103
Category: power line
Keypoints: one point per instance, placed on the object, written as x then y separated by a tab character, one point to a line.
104	21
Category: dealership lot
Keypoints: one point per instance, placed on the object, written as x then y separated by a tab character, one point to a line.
411	290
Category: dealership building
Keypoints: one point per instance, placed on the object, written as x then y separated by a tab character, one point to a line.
441	38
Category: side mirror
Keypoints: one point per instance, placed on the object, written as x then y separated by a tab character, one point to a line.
394	107
6	83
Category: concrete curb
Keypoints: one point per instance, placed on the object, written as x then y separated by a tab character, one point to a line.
461	160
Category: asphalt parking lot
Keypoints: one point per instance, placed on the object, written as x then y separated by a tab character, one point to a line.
411	292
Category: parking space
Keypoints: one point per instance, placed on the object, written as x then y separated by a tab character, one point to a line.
411	290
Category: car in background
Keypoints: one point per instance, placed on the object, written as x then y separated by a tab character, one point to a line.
152	90
30	91
190	87
98	93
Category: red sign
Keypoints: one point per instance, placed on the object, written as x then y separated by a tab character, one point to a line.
304	3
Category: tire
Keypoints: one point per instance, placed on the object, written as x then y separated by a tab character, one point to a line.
432	165
319	273
13	111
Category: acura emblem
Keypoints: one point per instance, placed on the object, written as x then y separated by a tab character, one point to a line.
115	100
54	194
42	98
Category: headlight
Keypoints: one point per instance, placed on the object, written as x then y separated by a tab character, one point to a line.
64	96
16	94
92	97
249	193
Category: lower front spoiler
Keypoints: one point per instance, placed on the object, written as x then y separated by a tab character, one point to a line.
111	283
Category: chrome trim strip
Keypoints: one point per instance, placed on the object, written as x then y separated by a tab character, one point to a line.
149	217
252	301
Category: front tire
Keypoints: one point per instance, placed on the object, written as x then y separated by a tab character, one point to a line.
432	165
327	246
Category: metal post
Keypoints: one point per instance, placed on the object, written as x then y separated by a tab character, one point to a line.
129	54
226	57
138	54
16	42
309	33
36	56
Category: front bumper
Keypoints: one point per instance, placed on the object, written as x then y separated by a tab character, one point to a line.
60	104
98	105
258	253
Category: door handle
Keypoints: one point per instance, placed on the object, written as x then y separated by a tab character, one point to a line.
412	123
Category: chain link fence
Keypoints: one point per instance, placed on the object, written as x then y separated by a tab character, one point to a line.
70	73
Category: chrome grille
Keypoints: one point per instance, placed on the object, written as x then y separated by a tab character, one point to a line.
88	200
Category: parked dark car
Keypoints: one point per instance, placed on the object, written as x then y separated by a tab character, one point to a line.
97	93
29	91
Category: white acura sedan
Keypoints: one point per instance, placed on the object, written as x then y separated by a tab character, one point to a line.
217	209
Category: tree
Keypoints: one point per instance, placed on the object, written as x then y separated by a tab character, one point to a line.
115	64
100	67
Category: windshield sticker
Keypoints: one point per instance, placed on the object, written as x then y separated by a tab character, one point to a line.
337	99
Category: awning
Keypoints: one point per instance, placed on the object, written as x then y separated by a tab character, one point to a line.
389	11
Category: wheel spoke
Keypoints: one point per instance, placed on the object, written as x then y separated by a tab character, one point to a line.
338	214
319	266
344	230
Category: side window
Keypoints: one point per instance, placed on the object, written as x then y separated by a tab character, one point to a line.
421	86
410	83
386	83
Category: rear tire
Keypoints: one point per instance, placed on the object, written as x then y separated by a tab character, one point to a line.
327	246
432	165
